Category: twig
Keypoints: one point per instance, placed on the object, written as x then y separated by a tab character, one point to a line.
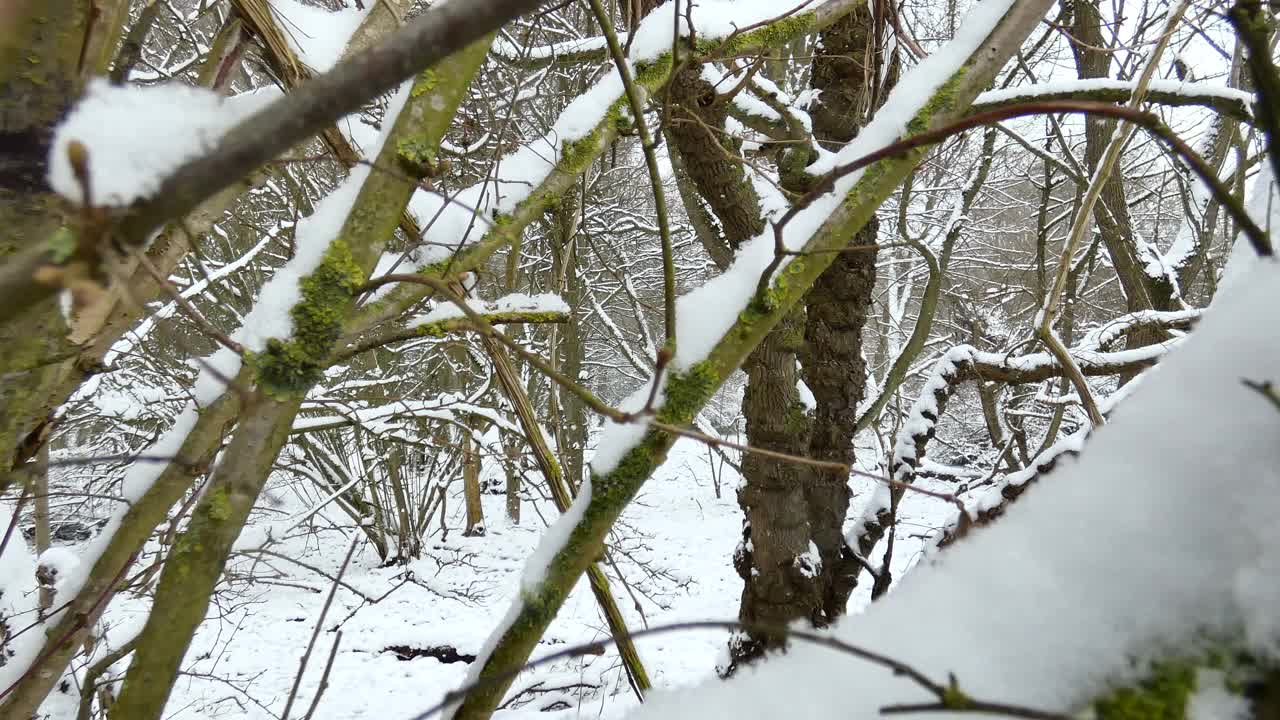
185	305
1266	389
95	671
302	666
773	454
324	678
636	101
949	696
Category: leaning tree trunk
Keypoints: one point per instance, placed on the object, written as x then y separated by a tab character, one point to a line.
1142	290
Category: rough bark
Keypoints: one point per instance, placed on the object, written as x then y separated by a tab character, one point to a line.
795	562
778	582
773	558
39	77
712	159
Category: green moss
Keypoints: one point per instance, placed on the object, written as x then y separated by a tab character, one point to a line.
775	34
1162	696
621	119
292	366
219	504
427	81
953	698
942	100
792	164
418	155
62	245
687	392
654	73
798	420
578	154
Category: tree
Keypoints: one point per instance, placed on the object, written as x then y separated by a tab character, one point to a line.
363	278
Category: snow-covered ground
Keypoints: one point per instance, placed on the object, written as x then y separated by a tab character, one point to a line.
674	548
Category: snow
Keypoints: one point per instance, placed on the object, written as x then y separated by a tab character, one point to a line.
534	572
515	302
60	564
459	589
136	136
1212	700
1153	539
17	600
1264	208
318	36
1173	87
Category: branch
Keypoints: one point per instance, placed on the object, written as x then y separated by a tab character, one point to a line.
439	328
949	695
439	32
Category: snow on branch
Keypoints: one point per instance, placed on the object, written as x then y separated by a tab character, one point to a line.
1226	100
1153	544
964	363
135	136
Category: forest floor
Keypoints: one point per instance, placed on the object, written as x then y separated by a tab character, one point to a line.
409	632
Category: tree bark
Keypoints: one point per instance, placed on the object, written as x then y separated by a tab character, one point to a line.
471	484
795	562
39	78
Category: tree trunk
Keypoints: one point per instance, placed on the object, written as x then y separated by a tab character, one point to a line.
471	486
39	78
795	562
777	570
511	447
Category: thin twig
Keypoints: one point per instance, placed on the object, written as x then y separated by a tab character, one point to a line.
636	100
185	305
1266	389
324	678
302	666
948	695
